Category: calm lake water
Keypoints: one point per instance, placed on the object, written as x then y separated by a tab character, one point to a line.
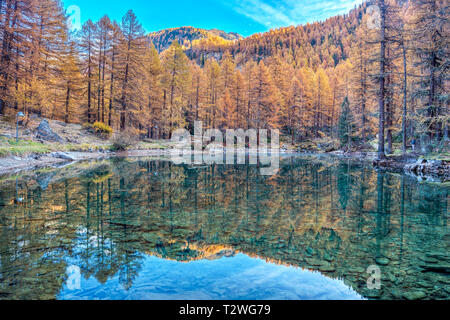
148	229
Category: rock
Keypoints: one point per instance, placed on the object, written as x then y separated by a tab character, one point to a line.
314	262
35	156
438	255
382	261
429	168
327	257
327	268
372	294
45	133
423	284
415	295
310	251
391	278
437	268
358	270
396	293
62	155
428	259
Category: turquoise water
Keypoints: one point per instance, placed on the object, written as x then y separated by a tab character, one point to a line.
147	229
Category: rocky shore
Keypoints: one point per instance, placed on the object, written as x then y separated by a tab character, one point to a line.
12	165
423	169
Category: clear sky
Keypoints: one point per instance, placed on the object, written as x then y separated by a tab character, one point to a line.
245	17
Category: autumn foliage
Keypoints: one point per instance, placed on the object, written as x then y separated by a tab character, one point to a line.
295	79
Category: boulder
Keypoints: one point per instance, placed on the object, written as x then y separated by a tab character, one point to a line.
45	133
62	155
415	295
429	167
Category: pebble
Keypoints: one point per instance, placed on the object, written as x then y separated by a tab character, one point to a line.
327	257
327	268
372	293
415	295
382	261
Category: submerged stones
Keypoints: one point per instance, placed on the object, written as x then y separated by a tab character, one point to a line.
310	251
327	257
415	295
437	268
382	261
327	268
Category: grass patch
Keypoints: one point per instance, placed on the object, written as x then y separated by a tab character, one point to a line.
143	145
9	147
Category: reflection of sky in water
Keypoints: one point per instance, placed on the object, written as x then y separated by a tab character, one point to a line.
236	278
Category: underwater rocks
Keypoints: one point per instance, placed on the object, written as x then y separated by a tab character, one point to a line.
382	261
415	295
436	268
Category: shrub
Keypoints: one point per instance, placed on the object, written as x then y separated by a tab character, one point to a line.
123	141
103	130
100	129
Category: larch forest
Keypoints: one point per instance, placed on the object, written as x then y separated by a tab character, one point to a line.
341	193
338	80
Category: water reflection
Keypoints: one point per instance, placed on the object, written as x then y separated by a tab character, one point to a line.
237	278
123	222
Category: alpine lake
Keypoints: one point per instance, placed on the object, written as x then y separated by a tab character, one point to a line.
144	229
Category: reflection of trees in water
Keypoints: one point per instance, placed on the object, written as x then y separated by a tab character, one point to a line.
334	217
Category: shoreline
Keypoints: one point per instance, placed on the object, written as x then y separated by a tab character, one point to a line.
432	170
13	165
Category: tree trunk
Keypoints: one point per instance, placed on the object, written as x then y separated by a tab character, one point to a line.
381	98
405	98
66	118
111	93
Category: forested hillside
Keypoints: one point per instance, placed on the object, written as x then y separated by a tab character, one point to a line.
189	37
348	79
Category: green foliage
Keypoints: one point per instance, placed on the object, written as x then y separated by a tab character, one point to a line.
85	147
9	147
347	127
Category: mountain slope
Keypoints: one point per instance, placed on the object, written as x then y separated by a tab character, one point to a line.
325	43
186	36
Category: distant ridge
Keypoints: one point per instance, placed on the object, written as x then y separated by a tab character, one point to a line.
187	35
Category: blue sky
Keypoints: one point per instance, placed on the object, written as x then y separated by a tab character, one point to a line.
242	16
